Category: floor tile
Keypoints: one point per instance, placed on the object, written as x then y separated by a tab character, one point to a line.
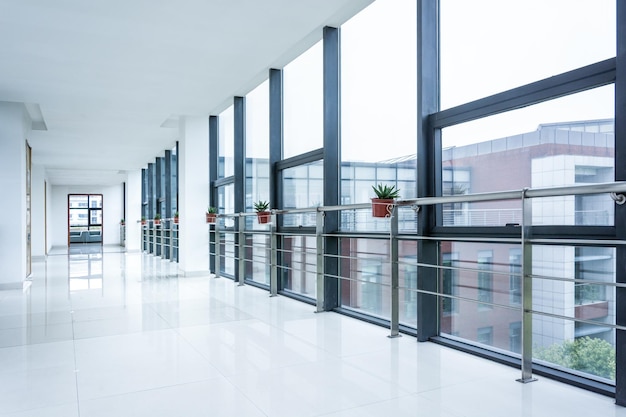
215	398
140	340
139	361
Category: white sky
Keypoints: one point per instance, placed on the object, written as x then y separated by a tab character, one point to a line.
487	46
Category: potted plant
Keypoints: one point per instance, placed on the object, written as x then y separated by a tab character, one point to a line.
211	214
176	217
262	211
122	222
143	220
383	204
157	219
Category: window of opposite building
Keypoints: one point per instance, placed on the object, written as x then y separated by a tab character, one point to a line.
566	141
485	279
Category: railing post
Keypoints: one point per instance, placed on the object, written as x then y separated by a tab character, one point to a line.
527	291
319	247
273	258
218	257
242	257
395	280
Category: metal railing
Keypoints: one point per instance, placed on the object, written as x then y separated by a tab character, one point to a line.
160	239
524	271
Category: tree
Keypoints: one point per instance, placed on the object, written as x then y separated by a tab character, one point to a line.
586	354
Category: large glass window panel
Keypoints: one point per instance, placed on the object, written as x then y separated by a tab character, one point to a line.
477	273
577	347
365	265
379	106
257	147
258	255
300	262
226	203
302	187
407	280
303	103
562	142
226	143
488	46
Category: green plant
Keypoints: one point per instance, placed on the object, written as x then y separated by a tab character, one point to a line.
175	214
386	192
261	205
157	216
143	218
122	221
591	355
211	210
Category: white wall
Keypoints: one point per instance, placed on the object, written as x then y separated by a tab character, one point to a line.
133	211
14	131
112	210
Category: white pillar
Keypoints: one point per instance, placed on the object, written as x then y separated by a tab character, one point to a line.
38	215
133	211
14	131
193	195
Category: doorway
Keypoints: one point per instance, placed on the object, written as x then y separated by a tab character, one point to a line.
84	216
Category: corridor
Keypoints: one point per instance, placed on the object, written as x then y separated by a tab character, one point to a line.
104	333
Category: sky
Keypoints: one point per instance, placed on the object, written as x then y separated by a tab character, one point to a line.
487	46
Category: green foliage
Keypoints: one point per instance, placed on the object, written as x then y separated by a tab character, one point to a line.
157	216
143	218
175	214
261	206
586	354
211	210
122	221
386	192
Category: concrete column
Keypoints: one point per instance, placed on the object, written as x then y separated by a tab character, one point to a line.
133	211
14	131
193	171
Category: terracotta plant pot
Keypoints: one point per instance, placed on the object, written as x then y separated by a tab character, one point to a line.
382	207
143	222
176	220
157	222
264	217
210	217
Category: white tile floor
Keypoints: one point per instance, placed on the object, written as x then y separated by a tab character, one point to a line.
120	335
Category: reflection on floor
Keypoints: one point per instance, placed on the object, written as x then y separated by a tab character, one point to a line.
105	333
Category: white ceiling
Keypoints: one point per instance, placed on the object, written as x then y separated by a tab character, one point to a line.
106	74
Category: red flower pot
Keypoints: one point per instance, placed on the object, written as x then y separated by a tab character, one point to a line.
264	217
382	207
210	217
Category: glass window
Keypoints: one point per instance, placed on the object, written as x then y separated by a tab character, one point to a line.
566	141
301	258
449	282
378	99
567	343
226	143
484	335
485	278
515	337
366	267
257	147
302	187
515	279
488	46
303	103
